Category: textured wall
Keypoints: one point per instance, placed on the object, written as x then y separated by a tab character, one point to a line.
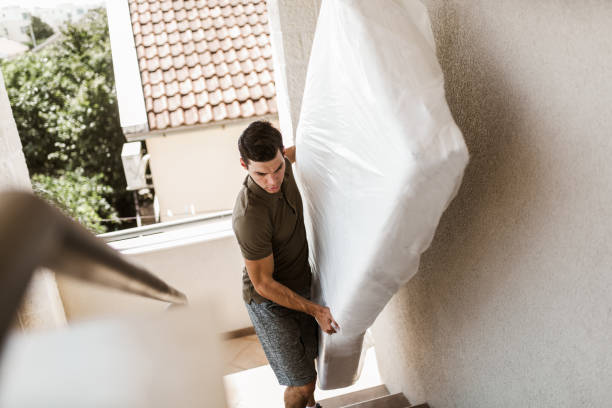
512	305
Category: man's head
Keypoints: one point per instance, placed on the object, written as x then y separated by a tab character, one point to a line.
262	155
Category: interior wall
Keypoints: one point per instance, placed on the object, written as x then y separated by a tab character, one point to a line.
512	305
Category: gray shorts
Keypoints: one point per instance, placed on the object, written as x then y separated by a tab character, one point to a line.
289	339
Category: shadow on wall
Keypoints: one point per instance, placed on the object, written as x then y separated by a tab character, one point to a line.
455	283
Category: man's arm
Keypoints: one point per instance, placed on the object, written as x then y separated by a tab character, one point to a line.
260	272
290	153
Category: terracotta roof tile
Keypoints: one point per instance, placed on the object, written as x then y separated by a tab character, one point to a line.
160	104
172	88
156	77
174	102
177	118
169	75
215	97
182	74
238	80
195	24
146	90
165	5
265	77
177	4
205	114
256	92
203	60
188	100
202	99
166	63
234	67
212	83
199	85
179	61
192	59
153	63
163	119
146	28
229	95
176	49
144	76
157	16
247	108
242	94
205	57
225	82
261	107
195	72
161	39
268	90
189	47
209	70
219	112
186	86
152	121
191	116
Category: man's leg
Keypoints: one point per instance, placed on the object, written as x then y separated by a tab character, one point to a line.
299	397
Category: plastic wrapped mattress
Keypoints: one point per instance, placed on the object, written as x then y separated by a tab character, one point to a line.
379	159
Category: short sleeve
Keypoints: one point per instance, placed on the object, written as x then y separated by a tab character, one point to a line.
254	235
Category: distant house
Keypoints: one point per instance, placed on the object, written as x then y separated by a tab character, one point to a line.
190	75
9	48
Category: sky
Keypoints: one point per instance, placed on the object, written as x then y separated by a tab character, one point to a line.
45	3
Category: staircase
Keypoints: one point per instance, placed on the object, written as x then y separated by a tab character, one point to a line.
374	397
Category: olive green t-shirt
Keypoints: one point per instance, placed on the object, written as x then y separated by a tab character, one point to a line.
267	224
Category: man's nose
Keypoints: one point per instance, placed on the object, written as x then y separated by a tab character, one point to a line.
270	180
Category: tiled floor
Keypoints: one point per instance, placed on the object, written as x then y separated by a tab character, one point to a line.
243	353
250	382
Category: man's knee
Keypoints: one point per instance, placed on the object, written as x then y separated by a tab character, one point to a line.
304	390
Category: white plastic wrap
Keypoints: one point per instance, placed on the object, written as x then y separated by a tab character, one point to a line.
379	160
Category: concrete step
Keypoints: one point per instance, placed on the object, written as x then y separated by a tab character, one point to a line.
344	400
388	401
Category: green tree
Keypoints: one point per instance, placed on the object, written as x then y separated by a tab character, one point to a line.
64	104
78	196
41	30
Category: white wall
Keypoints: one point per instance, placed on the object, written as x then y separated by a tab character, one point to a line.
203	269
198	167
512	306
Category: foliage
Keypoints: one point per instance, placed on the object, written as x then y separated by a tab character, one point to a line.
64	104
78	196
41	30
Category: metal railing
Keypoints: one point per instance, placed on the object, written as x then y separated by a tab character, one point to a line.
34	234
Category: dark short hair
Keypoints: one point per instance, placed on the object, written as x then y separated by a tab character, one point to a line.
259	142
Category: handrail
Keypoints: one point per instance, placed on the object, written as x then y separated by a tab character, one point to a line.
162	226
35	234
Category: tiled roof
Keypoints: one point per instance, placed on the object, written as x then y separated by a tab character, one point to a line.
203	60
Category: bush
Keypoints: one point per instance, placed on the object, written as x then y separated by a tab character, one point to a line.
78	196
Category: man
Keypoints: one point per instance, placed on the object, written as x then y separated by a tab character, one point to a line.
268	221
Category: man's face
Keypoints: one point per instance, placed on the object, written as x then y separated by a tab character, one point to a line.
268	175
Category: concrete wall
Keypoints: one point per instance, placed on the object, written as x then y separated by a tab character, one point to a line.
197	167
207	271
512	305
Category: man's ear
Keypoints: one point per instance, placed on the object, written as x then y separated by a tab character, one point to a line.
243	164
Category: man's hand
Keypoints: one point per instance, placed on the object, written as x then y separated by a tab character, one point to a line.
323	316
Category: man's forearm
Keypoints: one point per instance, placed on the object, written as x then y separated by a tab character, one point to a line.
281	294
